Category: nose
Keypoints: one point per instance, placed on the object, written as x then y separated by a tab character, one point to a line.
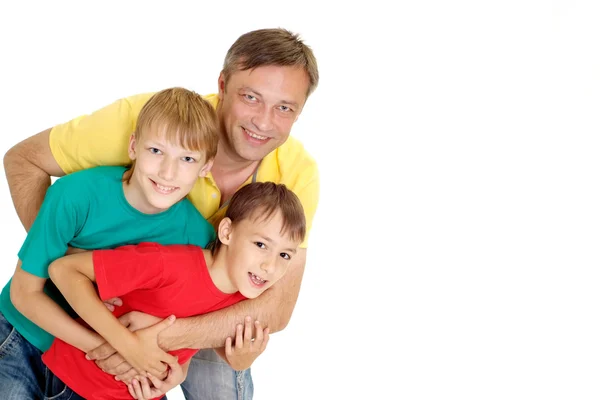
263	119
168	169
268	265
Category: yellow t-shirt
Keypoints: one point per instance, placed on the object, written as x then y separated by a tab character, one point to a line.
102	138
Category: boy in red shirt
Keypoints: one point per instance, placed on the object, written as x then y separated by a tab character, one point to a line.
261	231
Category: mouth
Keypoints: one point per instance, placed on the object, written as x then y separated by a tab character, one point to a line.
256	280
254	137
162	189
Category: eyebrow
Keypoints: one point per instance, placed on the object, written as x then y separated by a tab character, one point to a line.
286	102
268	239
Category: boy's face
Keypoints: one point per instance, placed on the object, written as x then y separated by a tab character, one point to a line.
258	108
164	172
258	254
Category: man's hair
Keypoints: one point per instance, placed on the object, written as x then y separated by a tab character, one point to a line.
261	201
266	47
184	117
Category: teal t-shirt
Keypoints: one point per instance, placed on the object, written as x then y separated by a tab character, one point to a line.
88	210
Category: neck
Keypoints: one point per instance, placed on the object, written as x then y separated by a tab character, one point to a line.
227	162
217	269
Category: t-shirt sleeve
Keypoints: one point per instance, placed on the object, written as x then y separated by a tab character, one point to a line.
308	193
127	268
56	224
99	138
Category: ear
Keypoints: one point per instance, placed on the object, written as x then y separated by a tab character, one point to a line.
225	230
221	85
131	148
206	169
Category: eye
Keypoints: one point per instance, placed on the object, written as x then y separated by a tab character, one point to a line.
260	245
285	109
250	97
154	150
285	256
189	159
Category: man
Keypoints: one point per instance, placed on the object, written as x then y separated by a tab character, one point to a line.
266	79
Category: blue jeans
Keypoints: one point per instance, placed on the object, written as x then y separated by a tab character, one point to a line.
211	378
23	375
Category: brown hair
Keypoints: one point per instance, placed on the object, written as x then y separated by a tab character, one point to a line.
260	200
265	47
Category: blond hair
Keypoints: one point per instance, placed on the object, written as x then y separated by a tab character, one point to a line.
266	47
184	117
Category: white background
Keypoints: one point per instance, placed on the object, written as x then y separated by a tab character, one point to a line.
455	249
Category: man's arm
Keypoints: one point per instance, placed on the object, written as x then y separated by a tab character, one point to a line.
28	167
273	309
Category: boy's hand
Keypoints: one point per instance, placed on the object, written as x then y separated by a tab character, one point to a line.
242	354
111	362
143	352
149	388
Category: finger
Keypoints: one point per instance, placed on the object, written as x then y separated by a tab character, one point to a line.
228	350
259	332
157	383
127	376
116	301
110	307
119	369
111	364
137	389
164	324
248	332
131	391
101	352
146	391
239	342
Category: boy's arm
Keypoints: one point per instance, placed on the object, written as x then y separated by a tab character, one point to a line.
27	295
74	276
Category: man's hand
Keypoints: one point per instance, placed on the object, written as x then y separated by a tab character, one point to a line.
142	388
111	303
242	354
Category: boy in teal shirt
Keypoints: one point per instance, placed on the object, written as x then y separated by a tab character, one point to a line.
173	144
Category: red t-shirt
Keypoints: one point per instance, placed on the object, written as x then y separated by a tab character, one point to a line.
155	279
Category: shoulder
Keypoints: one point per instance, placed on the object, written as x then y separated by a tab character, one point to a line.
296	165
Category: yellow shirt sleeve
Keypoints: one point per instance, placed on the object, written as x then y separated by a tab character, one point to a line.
100	138
309	197
299	172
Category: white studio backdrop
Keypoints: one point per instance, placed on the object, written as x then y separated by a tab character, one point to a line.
454	252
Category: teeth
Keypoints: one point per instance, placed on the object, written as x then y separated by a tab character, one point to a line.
165	188
257	278
255	136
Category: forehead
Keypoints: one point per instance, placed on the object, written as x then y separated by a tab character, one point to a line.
277	83
271	227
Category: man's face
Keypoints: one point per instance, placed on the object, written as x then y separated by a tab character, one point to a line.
258	108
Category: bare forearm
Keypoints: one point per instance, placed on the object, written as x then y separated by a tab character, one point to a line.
273	309
28	167
79	291
48	315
